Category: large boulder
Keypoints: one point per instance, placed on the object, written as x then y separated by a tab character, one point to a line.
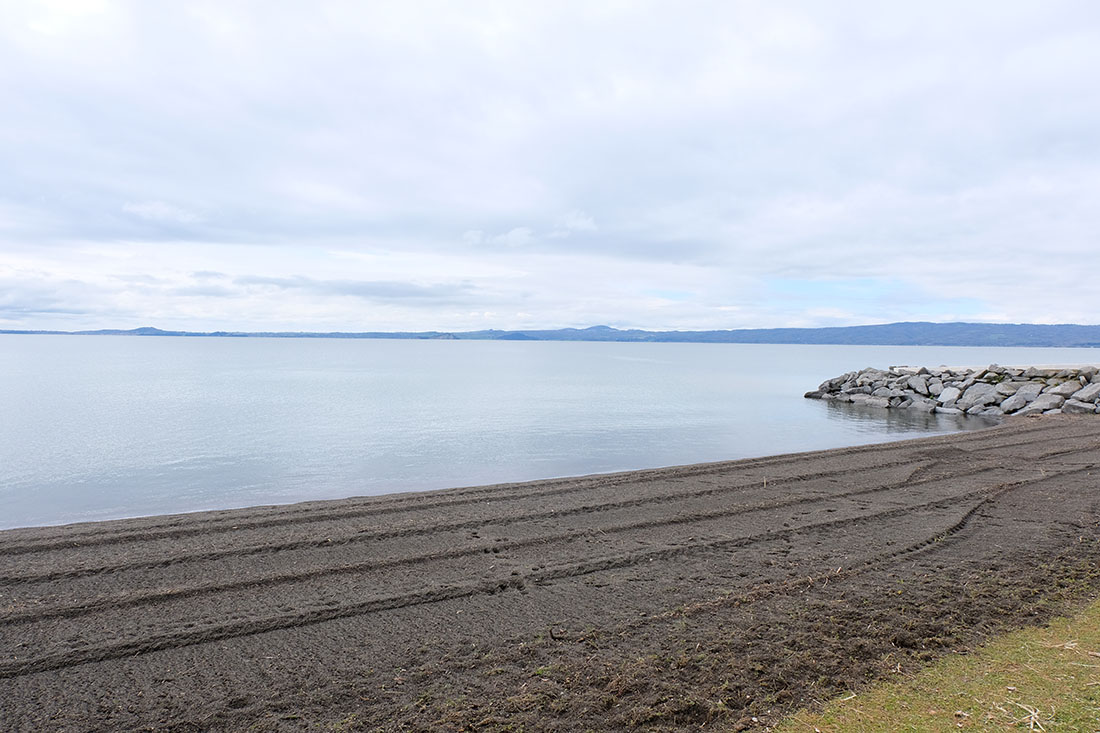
1043	403
978	395
948	396
1016	402
1027	392
1065	389
1030	390
1078	408
1088	393
918	383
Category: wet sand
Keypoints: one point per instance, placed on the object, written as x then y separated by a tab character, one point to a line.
725	593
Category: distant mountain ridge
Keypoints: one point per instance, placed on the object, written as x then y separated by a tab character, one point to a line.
917	333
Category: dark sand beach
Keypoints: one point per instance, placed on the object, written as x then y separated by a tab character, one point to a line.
721	594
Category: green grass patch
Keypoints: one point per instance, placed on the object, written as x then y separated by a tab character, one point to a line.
1039	679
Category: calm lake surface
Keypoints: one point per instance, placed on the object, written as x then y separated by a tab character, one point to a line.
98	427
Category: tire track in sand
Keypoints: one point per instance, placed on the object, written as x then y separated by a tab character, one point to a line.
177	638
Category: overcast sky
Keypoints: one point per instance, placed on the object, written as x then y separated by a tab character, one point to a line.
414	165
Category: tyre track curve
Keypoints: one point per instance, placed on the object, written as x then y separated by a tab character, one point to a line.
177	638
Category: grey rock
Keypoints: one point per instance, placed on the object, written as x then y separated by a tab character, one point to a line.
1027	392
1055	411
1065	389
1087	394
948	411
949	394
993	390
1046	402
1015	402
978	395
918	384
1030	390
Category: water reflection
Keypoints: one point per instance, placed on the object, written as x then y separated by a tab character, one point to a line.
877	420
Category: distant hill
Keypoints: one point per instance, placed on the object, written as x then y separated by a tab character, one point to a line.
899	334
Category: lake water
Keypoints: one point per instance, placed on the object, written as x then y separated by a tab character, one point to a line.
103	427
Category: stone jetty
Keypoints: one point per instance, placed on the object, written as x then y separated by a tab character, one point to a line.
992	390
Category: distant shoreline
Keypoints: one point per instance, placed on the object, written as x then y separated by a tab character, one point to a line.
891	334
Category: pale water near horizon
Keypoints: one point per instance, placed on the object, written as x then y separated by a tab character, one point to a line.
103	427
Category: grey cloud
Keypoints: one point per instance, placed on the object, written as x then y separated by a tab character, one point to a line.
26	300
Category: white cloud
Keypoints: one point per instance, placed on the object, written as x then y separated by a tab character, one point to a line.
574	221
517	237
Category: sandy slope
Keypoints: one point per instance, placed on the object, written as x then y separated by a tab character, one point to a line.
662	599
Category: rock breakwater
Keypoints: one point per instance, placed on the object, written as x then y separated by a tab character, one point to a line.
992	390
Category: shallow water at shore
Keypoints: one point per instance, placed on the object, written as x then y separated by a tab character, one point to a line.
107	427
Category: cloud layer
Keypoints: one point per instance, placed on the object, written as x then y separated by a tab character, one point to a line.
420	165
